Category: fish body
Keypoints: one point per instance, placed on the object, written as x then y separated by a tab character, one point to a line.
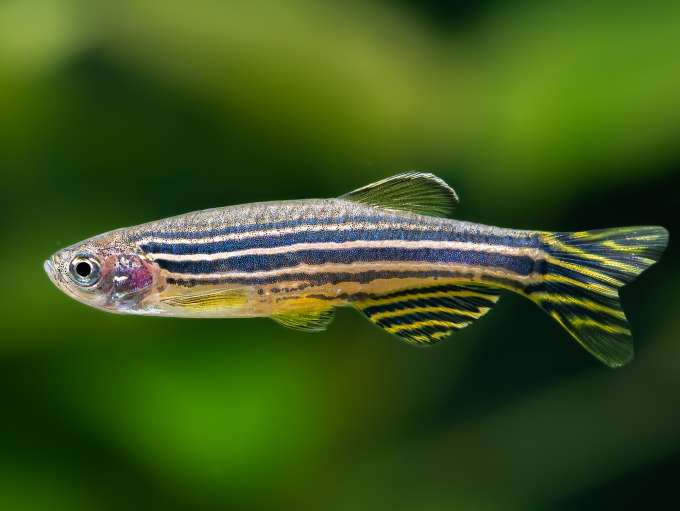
385	249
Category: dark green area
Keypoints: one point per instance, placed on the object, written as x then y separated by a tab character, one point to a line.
554	116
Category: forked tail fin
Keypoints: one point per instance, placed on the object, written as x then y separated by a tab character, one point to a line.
583	273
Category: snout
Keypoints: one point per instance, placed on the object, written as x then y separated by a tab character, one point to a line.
50	270
53	269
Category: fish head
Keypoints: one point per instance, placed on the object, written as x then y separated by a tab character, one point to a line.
107	272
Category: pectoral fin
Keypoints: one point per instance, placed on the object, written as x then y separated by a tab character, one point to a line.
206	299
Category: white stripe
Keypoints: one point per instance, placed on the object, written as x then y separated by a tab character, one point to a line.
348	245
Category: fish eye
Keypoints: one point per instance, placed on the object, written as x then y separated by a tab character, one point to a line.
85	270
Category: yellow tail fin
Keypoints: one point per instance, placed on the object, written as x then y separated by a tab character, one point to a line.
583	273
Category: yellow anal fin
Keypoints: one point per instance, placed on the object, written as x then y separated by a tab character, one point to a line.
307	321
426	315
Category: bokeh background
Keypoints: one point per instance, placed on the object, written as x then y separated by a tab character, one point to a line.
547	115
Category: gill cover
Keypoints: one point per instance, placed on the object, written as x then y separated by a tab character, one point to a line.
129	277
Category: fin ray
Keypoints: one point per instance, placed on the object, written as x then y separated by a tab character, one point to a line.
584	271
425	316
206	299
306	321
415	192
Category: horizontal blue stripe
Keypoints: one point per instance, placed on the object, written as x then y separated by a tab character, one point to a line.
295	238
521	265
247	228
401	234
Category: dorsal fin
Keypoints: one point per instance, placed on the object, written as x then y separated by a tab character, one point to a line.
416	192
426	315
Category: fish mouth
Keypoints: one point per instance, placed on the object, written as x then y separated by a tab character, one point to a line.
51	272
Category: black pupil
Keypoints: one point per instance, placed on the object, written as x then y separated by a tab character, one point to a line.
83	269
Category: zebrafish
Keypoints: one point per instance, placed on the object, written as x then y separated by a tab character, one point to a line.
387	249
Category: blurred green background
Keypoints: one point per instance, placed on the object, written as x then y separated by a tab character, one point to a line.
544	115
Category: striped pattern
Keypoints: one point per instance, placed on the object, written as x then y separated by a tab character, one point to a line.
348	253
337	252
347	246
353	231
313	255
382	249
427	315
584	271
309	277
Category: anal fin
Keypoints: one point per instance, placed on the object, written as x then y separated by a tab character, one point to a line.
426	315
307	321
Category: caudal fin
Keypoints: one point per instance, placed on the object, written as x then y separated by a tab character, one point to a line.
583	273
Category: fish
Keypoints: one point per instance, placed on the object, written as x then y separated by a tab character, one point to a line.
389	250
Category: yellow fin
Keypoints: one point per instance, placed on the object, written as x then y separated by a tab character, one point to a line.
584	271
416	192
308	321
428	314
207	299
